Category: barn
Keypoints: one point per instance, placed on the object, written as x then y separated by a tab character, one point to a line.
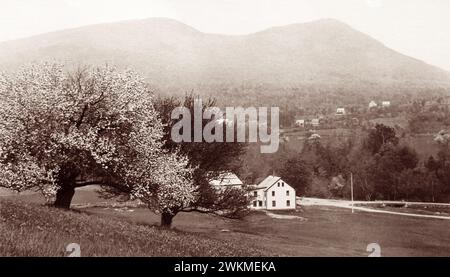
227	180
273	194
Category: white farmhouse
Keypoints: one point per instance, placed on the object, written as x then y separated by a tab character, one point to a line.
273	194
373	104
386	104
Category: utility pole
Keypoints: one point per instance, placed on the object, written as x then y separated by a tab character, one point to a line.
351	187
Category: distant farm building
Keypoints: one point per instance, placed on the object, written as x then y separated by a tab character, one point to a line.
373	104
300	123
227	180
340	111
386	104
273	194
306	121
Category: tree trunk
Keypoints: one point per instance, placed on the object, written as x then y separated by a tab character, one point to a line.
64	197
166	219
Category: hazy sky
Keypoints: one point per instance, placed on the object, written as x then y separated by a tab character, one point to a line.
418	28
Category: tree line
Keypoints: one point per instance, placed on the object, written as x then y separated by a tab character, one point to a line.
382	168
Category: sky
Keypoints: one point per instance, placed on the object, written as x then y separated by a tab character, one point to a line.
417	28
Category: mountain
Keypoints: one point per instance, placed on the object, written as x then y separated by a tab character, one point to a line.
170	53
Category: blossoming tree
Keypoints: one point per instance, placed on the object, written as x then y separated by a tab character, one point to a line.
209	160
61	131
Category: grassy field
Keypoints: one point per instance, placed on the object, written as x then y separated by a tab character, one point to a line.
30	229
423	144
322	231
35	230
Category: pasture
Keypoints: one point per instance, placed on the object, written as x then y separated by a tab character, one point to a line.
314	231
322	231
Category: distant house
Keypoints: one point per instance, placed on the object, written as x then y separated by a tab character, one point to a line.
227	180
273	194
300	123
305	121
373	104
386	104
315	122
340	111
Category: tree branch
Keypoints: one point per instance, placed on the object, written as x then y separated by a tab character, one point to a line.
80	119
87	183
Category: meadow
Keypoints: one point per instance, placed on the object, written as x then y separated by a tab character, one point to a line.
28	228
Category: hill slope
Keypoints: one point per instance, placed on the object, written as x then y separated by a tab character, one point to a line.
34	230
168	52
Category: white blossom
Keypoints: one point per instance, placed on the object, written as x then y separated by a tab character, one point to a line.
100	122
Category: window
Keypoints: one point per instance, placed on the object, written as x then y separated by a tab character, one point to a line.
255	193
260	203
288	203
282	184
254	203
287	193
273	193
278	184
274	203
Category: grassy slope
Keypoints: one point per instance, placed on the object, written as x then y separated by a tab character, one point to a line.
326	231
36	230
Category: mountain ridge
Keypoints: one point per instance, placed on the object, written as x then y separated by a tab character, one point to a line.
167	51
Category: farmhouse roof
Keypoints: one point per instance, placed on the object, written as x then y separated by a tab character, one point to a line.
227	179
268	182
